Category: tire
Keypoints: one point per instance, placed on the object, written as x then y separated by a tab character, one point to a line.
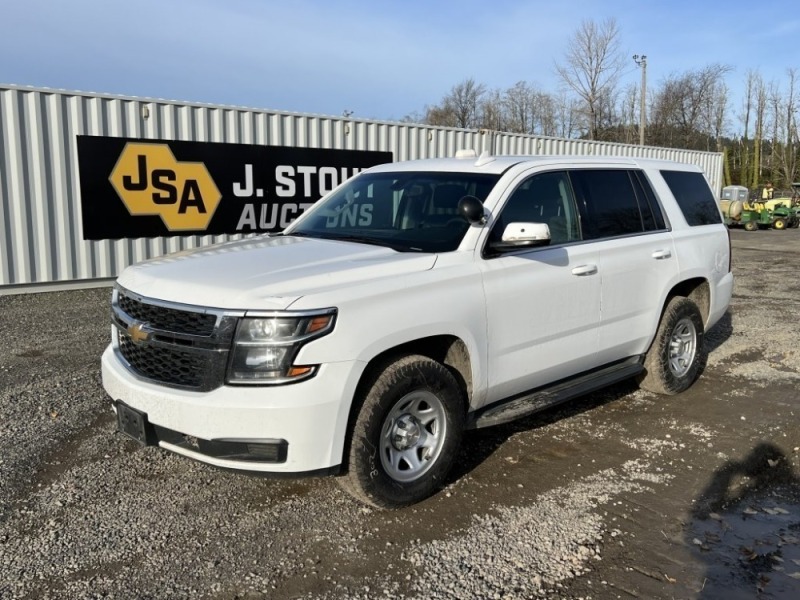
779	224
406	434
677	356
750	226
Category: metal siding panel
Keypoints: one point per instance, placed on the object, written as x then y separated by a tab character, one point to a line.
40	222
18	199
74	115
120	249
6	251
168	123
61	238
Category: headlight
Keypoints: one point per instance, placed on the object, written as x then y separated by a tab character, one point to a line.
264	348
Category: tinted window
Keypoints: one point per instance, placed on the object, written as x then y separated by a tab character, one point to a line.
543	198
694	197
407	211
609	202
652	216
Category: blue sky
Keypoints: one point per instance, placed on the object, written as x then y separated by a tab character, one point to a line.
378	59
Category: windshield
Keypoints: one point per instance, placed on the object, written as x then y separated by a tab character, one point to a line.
406	211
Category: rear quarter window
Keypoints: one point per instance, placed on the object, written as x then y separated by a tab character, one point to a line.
694	197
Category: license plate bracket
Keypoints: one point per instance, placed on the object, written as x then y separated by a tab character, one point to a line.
133	423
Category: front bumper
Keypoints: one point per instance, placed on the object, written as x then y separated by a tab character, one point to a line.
308	417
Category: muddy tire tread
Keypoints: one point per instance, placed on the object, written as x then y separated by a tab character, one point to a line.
390	383
658	378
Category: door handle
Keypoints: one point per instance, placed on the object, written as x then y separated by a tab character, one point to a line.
584	270
661	254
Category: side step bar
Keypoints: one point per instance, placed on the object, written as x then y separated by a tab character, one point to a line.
517	407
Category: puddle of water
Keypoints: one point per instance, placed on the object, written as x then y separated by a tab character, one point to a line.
751	550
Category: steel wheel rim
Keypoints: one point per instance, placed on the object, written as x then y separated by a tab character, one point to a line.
412	435
682	347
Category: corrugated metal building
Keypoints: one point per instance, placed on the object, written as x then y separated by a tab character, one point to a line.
41	243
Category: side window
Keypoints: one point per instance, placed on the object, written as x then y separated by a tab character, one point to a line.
610	204
648	203
694	197
543	198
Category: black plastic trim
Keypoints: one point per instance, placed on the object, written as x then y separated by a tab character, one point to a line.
223	449
527	403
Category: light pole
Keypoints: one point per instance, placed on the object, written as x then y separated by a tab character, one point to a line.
642	62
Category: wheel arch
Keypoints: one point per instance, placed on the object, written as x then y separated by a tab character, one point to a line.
449	350
698	290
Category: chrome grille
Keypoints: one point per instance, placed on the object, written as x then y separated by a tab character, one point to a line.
168	319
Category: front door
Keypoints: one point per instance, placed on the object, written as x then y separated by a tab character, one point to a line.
543	304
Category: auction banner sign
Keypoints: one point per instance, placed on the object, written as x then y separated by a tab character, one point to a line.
133	188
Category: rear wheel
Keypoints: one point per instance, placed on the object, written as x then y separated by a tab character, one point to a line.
750	226
677	355
406	434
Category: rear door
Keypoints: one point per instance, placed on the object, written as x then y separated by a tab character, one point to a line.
637	259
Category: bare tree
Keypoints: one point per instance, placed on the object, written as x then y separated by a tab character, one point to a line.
785	140
717	108
440	115
546	114
628	111
592	67
747	112
461	107
761	111
688	109
492	113
566	116
519	104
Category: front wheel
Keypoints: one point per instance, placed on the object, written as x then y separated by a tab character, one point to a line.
750	226
779	224
406	434
677	356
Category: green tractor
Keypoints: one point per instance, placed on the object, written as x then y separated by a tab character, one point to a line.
778	213
787	209
750	215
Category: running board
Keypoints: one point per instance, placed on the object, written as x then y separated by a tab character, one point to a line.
517	407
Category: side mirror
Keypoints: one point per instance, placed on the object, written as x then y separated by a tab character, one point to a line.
521	235
471	209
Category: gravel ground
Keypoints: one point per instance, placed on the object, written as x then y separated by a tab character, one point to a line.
622	494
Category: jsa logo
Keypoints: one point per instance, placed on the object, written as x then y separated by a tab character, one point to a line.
150	181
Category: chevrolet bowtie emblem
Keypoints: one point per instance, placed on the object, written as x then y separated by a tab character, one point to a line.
138	333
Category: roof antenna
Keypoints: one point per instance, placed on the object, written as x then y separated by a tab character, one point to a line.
484	159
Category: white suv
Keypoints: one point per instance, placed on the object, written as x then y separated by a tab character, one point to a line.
417	300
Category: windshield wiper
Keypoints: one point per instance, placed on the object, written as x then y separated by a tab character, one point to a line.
353	238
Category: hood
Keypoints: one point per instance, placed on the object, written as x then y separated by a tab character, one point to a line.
265	273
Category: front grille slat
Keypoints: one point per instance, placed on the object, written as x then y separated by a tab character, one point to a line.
168	319
196	361
165	365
